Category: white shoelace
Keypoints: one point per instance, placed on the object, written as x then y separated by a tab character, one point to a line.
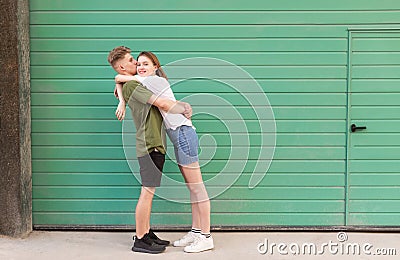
185	237
197	240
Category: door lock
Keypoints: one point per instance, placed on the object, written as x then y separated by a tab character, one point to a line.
354	128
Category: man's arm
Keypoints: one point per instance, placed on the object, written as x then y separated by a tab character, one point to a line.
173	107
143	95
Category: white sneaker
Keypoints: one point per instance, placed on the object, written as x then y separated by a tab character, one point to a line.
200	244
187	239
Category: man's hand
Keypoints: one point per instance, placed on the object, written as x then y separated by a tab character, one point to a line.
188	110
170	106
120	112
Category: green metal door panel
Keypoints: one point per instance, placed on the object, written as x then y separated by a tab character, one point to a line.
379	43
385	72
374	166
372	85
383	207
374	153
378	139
375	99
379	219
375	126
374	113
297	53
379	153
368	58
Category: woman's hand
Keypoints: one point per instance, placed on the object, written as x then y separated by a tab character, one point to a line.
116	92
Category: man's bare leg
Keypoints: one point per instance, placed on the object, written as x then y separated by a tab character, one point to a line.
143	211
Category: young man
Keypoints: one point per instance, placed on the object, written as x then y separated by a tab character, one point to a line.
150	143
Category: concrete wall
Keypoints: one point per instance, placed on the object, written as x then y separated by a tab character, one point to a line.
15	120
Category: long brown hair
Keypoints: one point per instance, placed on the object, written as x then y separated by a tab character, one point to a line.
159	72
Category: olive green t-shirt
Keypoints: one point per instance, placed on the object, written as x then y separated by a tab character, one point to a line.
147	118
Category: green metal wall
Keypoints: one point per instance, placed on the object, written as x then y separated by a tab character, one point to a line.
296	50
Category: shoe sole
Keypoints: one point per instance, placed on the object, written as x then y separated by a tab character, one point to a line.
142	250
180	245
188	244
158	242
162	244
199	251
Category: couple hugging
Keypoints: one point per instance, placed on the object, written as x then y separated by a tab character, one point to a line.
143	85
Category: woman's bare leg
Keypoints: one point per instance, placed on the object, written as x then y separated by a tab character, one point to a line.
198	196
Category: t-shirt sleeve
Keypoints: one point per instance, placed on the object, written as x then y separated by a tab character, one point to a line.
157	85
137	91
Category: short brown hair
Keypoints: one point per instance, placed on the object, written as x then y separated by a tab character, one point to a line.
116	54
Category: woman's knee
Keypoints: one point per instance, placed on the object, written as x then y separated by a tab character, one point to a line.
198	191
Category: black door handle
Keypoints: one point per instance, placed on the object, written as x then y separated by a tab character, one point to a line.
354	128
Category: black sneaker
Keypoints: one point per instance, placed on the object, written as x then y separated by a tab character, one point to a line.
147	245
157	240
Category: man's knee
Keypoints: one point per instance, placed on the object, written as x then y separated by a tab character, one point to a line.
147	192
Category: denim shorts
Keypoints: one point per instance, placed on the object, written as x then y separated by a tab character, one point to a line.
186	144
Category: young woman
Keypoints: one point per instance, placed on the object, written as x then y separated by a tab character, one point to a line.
185	140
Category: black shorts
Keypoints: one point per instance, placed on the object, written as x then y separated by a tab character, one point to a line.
151	166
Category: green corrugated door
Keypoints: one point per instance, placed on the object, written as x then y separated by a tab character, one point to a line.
374	153
296	51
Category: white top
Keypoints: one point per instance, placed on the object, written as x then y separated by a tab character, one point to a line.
161	88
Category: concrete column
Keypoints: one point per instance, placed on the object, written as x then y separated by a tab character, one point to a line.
15	120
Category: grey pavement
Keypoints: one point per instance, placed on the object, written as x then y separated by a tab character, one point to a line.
228	245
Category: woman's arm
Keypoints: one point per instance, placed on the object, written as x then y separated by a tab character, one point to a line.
124	78
121	109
